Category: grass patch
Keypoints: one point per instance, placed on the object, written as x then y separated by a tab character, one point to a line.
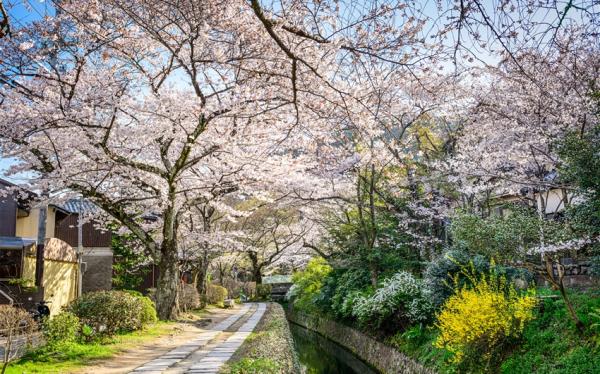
417	343
550	343
193	315
255	365
268	350
67	357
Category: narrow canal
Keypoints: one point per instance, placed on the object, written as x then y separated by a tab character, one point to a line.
319	355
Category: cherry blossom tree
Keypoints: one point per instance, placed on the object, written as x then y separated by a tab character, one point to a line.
269	236
149	108
145	107
517	118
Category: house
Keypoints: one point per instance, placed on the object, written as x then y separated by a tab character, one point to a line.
57	273
550	203
28	272
96	244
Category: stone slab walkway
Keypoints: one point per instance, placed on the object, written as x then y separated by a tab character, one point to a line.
190	355
213	361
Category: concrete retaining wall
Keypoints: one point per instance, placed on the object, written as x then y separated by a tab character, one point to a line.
98	271
382	357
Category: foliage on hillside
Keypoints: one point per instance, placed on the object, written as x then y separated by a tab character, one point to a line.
549	343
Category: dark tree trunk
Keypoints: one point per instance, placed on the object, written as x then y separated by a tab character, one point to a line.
558	282
257	276
374	275
167	290
256	267
201	285
168	283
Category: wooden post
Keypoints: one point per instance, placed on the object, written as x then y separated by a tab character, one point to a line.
41	237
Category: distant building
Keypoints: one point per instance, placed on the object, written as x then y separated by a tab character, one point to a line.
280	285
550	202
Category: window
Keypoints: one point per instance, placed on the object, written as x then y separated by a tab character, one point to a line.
11	263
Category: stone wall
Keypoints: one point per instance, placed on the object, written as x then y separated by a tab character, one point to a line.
98	269
382	357
577	274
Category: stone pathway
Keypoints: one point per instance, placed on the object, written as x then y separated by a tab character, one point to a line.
213	361
211	344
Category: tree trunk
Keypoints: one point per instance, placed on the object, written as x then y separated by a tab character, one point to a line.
558	283
201	285
256	267
257	275
374	275
167	290
167	285
578	324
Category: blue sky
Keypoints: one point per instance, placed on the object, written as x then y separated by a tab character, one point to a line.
22	12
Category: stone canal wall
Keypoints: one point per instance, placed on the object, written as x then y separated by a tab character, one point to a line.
380	356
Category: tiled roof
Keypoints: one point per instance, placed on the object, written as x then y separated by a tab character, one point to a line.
80	206
276	279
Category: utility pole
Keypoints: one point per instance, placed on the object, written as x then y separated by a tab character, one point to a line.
41	238
80	249
43	215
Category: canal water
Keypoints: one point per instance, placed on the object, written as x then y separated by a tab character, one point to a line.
319	355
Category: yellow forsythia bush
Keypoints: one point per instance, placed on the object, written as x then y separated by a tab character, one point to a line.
477	321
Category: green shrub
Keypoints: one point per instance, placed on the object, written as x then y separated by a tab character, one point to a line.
417	343
109	312
308	283
148	307
441	273
347	284
148	310
189	298
216	295
61	328
87	333
399	301
263	291
501	237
